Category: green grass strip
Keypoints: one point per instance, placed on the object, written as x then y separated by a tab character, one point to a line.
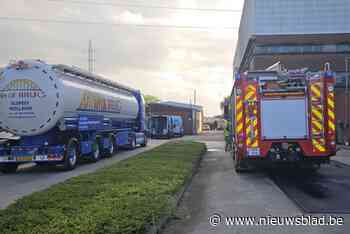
125	197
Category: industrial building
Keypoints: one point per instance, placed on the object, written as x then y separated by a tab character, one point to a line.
192	115
299	33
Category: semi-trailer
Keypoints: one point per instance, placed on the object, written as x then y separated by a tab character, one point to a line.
281	116
166	126
62	113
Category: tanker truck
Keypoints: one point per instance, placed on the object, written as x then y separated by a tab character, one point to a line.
61	114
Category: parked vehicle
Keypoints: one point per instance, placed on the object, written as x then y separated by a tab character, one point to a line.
283	117
178	128
206	127
63	113
166	126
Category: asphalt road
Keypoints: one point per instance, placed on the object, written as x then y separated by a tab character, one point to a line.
31	178
218	189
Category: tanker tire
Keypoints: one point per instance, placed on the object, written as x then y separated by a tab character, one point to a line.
133	143
71	156
8	168
144	142
112	147
96	151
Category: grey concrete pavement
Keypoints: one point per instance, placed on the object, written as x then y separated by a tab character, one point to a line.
217	188
31	179
343	156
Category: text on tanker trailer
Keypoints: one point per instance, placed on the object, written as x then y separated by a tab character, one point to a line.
62	113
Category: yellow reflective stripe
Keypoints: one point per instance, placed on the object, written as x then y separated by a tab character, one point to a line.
331	114
239	105
317	124
249	95
318	146
255	144
317	113
240	127
331	125
239	116
251	88
316	90
248	141
330	103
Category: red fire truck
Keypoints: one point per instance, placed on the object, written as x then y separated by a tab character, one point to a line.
283	116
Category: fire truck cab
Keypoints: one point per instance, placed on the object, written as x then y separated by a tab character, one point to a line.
283	116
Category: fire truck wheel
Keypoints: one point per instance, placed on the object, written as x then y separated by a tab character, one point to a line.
240	165
8	168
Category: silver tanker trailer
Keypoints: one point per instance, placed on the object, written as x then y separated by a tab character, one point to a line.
61	113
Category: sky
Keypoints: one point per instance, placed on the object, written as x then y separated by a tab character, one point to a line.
169	63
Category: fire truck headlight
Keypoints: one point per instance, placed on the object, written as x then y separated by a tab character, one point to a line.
298	149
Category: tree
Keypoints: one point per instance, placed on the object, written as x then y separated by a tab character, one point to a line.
149	99
226	101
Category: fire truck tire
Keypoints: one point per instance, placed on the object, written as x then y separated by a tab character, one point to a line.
9	168
240	165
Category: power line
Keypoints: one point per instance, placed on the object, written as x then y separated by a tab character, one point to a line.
78	22
145	6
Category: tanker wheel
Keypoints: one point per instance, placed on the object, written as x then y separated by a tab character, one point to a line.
144	142
96	151
112	147
71	156
133	143
8	168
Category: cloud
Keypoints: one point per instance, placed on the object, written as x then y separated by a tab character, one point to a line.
167	63
128	17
